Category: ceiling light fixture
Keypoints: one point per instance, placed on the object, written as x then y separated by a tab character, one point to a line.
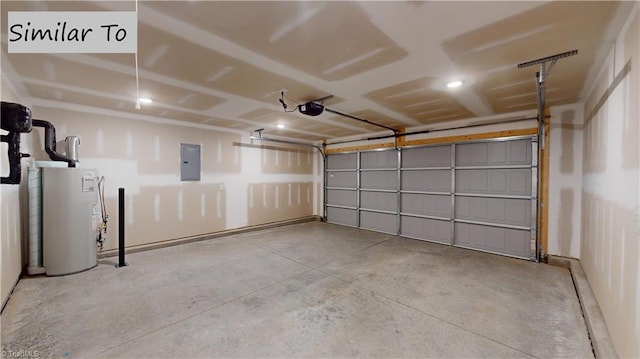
454	84
280	126
145	101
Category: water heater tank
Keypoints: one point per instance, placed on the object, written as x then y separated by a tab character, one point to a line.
70	214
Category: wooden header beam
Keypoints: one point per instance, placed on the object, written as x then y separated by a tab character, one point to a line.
436	140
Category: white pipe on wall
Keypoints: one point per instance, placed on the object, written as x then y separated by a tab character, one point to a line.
35	221
72	143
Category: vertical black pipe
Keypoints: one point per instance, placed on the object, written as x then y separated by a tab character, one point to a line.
121	222
13	151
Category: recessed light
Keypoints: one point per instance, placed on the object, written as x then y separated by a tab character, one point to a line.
280	126
145	100
454	84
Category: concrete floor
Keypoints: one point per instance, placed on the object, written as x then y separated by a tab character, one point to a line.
306	290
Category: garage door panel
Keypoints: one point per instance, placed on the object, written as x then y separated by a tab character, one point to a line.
379	200
472	181
427	181
516	152
385	180
347	217
515	181
519	152
494	239
379	159
342	198
497	154
438	156
342	179
517	243
509	211
425	228
519	181
472	154
342	161
427	204
380	222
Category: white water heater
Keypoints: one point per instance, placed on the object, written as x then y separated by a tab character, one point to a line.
70	217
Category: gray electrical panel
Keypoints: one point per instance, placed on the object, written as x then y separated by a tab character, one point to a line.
189	162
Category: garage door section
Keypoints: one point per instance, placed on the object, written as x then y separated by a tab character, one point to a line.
342	189
379	191
425	193
494	206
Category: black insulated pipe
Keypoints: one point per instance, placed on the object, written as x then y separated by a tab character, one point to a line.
16	119
15	169
50	142
121	222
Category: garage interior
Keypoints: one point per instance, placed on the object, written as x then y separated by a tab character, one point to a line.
307	179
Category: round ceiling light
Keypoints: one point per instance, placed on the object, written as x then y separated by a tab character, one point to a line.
280	126
454	84
145	101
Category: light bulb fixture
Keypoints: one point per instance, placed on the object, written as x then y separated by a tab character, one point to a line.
454	84
145	101
280	126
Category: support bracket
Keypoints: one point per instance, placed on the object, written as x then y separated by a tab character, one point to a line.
541	77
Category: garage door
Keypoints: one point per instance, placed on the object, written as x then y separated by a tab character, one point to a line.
479	195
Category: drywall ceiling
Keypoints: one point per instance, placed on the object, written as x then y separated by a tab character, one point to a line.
224	64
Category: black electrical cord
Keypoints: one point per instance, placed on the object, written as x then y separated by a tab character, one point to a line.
284	104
